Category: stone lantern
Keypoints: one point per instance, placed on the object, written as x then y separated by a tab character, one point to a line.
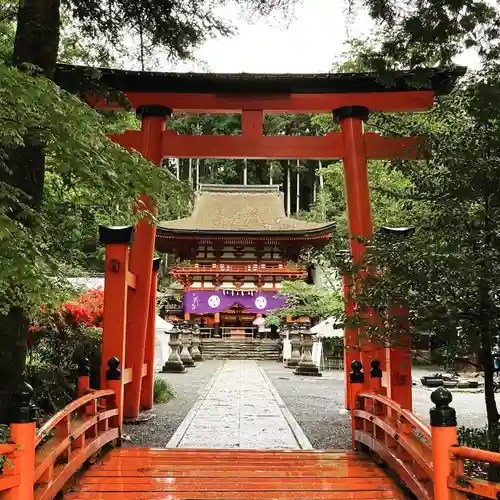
174	363
306	365
186	337
294	336
195	343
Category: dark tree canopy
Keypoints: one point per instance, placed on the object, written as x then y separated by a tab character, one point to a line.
432	32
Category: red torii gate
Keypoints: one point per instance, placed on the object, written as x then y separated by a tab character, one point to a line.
350	97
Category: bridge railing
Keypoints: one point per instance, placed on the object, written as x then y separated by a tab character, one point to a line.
427	459
38	464
465	484
390	431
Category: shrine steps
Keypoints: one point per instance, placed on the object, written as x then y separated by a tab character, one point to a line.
197	474
259	350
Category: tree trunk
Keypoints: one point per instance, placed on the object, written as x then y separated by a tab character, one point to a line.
36	43
486	354
37	35
492	415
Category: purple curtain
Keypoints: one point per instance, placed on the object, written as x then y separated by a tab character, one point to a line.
205	301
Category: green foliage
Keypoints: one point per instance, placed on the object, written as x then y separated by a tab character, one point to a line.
272	320
302	299
90	180
424	35
162	392
448	269
474	438
51	368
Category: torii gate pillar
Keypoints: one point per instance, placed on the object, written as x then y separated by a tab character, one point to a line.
141	258
360	224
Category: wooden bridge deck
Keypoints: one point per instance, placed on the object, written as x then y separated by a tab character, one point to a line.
189	474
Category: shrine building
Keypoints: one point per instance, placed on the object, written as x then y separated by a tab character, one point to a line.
235	250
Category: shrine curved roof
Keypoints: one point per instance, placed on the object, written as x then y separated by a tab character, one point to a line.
241	210
441	81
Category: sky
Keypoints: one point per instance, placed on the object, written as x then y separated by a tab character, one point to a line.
309	42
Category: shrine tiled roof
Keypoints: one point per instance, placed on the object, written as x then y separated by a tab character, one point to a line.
221	209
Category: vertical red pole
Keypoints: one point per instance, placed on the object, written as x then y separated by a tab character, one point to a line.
114	382
357	379
23	434
444	436
149	355
141	257
117	241
357	190
83	381
398	359
351	346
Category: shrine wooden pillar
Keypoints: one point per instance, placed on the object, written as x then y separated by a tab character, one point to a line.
147	389
359	213
141	258
217	327
351	341
117	281
398	379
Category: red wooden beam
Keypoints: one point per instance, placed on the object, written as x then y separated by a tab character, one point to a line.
256	146
417	100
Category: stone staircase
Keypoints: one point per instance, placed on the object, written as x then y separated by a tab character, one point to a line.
240	349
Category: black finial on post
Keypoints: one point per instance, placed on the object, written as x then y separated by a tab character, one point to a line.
375	371
153	110
442	415
22	410
356	376
83	367
116	235
114	372
344	112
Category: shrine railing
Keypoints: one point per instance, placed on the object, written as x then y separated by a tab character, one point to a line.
229	269
229	332
427	459
38	464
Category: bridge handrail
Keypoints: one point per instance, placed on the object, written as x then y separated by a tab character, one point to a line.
40	464
70	408
461	483
8	480
388	430
81	429
408	415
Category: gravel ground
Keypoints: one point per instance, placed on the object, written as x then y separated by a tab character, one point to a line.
187	388
317	404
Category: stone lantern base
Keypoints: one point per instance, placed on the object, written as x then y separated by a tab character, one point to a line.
308	369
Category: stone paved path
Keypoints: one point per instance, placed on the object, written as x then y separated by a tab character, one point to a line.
240	409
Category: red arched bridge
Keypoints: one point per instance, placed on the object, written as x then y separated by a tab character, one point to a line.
77	454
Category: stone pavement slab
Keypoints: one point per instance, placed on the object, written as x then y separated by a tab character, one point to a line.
240	408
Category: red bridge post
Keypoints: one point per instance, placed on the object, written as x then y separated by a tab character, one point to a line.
23	434
115	383
444	436
83	380
357	379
